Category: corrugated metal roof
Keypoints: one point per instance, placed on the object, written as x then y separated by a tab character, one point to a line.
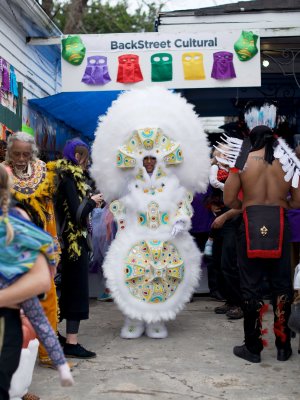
238	7
251	6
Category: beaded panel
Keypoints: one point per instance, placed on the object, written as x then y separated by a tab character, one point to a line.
28	185
153	271
148	140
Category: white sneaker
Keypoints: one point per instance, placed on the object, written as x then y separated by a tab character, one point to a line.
132	329
208	249
157	330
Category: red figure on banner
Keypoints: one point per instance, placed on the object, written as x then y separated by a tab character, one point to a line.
129	70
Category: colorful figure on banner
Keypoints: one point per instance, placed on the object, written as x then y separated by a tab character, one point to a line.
73	50
245	47
223	65
129	70
193	68
5	76
145	161
13	85
96	71
161	67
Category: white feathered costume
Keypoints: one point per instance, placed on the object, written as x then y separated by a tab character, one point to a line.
153	265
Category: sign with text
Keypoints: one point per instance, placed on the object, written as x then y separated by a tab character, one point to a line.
174	60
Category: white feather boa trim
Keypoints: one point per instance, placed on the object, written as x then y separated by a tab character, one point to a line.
151	312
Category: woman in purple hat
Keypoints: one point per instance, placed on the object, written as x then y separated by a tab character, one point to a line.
74	206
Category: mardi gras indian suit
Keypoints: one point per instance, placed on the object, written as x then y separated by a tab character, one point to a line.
153	265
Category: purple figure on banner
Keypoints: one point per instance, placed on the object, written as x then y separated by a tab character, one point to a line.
96	71
223	66
5	76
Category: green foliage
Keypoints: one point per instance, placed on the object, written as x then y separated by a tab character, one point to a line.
101	17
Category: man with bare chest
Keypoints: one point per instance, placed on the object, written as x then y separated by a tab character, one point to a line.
264	193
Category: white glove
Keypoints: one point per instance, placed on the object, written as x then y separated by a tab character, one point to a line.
178	227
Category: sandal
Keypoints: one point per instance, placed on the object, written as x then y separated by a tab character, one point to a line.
30	396
49	364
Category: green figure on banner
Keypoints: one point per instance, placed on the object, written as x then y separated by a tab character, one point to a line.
73	50
162	67
245	47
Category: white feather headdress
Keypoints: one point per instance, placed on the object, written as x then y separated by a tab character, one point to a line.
265	115
236	150
153	107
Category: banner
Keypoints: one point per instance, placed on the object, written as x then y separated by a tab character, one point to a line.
174	60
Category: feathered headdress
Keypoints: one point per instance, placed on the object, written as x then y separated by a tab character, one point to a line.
264	115
152	121
236	151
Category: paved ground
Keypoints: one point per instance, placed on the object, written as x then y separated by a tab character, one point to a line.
194	362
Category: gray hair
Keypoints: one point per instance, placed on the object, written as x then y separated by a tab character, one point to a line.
22	137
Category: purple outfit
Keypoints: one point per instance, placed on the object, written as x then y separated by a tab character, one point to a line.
294	222
203	217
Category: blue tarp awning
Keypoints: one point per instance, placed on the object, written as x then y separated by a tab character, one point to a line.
79	110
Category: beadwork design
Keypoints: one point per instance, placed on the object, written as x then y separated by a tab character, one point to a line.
117	208
184	207
28	185
149	139
153	271
153	218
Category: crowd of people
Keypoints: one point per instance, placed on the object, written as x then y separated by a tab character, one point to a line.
151	262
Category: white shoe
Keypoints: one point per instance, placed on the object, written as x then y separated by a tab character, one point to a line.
157	330
132	329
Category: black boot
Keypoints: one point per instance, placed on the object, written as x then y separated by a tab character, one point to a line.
253	346
243	352
282	311
284	354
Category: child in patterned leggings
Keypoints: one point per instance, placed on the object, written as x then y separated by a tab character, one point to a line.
20	244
